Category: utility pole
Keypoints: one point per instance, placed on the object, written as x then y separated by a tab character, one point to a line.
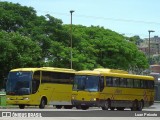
71	11
149	53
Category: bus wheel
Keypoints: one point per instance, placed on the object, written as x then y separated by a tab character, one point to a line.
106	106
58	106
120	108
68	106
78	107
112	108
140	106
134	106
42	104
21	106
83	107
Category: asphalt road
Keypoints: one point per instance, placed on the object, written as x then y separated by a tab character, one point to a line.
74	114
154	107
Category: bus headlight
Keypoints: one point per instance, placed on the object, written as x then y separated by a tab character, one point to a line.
93	99
25	98
73	97
8	98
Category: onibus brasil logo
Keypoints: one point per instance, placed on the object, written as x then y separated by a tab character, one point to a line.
21	114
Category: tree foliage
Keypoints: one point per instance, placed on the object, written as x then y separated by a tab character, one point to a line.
17	51
101	47
136	40
28	40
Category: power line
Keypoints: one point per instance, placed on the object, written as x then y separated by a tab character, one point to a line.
112	19
104	18
122	20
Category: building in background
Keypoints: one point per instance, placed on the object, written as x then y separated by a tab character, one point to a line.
155	54
154	46
155	72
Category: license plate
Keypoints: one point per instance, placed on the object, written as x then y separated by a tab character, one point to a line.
83	104
16	101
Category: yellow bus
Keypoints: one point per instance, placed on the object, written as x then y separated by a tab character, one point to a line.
40	87
112	89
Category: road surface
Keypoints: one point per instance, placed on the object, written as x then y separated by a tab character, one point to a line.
74	114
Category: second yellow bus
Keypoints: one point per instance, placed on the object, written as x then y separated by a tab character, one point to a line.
112	89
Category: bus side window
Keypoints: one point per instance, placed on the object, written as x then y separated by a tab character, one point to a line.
115	82
150	84
136	83
101	83
123	82
145	84
142	84
109	81
130	83
35	81
71	78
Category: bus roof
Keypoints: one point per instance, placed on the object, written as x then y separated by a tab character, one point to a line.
45	69
108	72
57	69
133	76
121	73
87	72
24	69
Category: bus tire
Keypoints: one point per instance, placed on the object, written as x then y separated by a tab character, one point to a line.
120	108
42	104
68	107
140	106
21	106
58	106
134	106
78	107
112	108
83	107
106	106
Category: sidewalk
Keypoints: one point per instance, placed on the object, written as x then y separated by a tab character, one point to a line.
156	101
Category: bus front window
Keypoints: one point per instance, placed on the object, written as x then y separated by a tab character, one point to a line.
19	83
92	83
79	83
86	83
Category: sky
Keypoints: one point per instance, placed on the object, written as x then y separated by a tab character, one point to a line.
127	17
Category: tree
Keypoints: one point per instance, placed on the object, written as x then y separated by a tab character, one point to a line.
14	17
28	40
136	39
17	51
98	47
43	30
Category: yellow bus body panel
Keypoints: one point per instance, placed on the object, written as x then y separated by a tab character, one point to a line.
114	93
56	94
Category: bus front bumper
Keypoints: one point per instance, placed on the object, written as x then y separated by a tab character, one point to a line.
17	102
87	103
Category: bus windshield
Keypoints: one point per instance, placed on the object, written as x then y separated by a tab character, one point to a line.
19	83
86	83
